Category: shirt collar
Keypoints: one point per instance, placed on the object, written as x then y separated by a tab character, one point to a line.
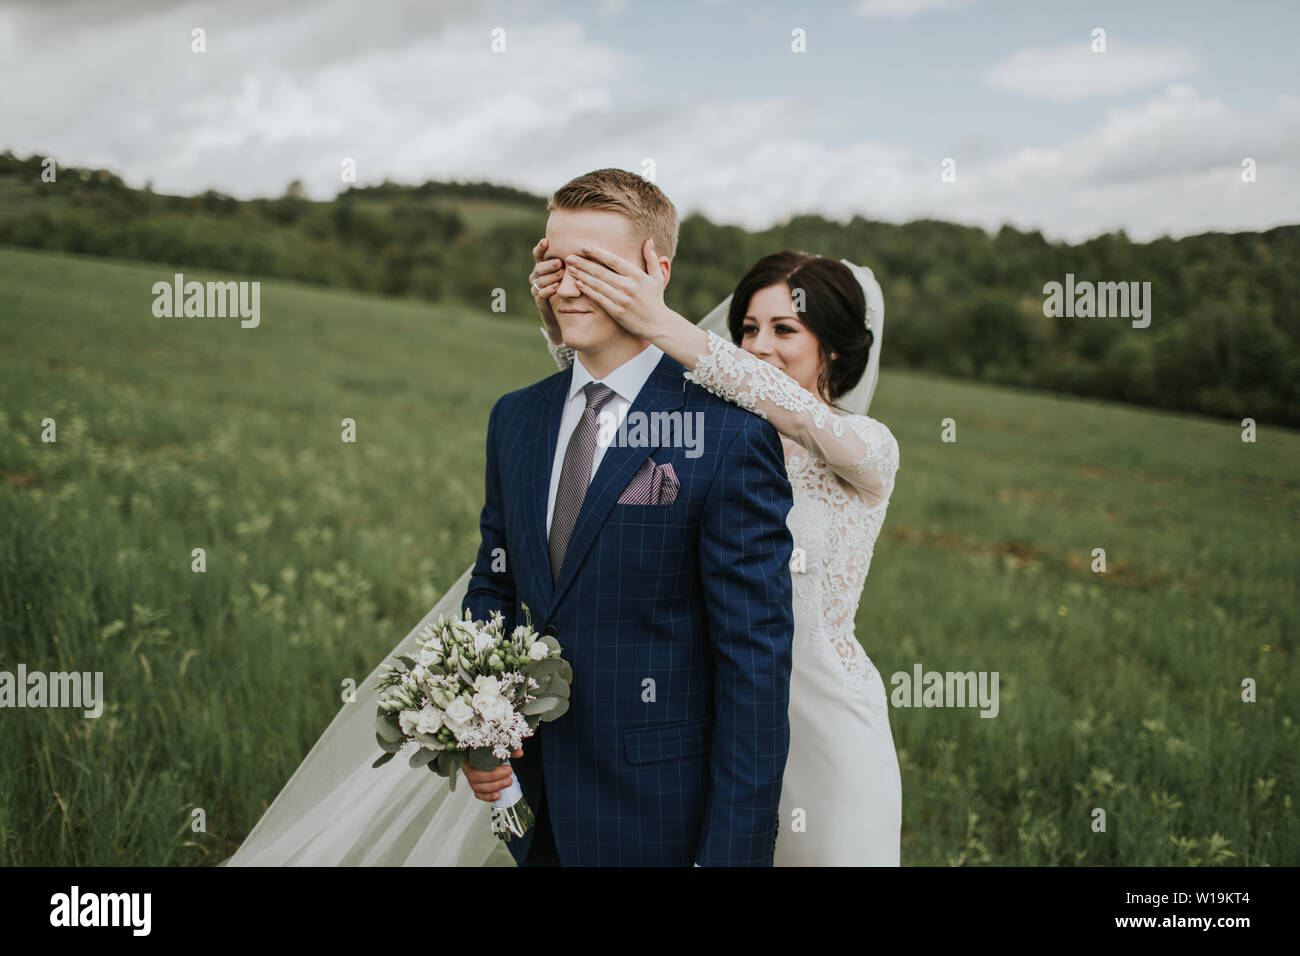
626	380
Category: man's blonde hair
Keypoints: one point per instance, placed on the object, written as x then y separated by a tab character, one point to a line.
652	214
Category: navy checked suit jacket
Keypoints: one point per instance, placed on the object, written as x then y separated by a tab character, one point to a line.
677	619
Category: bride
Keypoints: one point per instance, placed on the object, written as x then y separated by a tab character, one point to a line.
807	336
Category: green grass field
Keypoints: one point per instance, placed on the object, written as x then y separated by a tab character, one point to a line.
1120	691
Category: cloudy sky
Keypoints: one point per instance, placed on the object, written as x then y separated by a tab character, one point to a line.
1148	136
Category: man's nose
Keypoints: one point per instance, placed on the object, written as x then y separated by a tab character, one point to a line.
568	287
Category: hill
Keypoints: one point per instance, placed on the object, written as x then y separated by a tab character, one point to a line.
1120	690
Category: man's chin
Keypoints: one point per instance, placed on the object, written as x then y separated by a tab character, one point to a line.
584	331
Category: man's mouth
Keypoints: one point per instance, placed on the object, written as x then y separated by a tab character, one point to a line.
574	311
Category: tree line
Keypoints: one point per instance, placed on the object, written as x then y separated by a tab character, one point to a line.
960	301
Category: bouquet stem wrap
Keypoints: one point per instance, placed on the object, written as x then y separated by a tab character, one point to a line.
511	815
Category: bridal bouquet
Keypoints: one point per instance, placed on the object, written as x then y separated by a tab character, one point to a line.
472	692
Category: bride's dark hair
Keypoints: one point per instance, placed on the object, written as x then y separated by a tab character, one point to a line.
834	312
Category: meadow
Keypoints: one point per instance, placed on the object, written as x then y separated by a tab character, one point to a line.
1120	690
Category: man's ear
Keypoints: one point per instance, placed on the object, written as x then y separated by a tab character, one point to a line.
665	264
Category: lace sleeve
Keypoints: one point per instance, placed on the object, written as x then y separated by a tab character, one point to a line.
864	455
563	354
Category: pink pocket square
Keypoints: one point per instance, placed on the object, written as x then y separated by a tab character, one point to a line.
653	484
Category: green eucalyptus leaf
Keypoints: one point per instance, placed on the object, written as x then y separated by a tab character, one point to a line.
422	757
482	758
449	765
543	687
389	746
559	710
541	705
547	665
543	672
388	727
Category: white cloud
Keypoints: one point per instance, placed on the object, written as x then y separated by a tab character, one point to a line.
412	98
906	9
408	95
1170	164
1074	72
1148	169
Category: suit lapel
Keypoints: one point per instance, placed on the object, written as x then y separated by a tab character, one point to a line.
664	390
542	460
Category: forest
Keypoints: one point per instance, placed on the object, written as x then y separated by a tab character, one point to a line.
1220	334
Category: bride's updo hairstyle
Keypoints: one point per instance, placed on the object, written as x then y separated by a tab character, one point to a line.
835	309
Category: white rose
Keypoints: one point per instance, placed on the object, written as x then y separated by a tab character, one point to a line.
482	642
409	721
486	685
494	708
458	713
430	721
538	651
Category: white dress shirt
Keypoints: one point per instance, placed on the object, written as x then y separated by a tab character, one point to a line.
626	381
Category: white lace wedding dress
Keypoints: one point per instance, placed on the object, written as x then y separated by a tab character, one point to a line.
841	796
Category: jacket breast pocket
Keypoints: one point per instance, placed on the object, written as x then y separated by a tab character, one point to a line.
646	514
671	742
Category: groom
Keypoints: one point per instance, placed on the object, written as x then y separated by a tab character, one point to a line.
661	567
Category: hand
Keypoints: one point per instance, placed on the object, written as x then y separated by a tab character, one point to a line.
542	282
631	296
488	784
